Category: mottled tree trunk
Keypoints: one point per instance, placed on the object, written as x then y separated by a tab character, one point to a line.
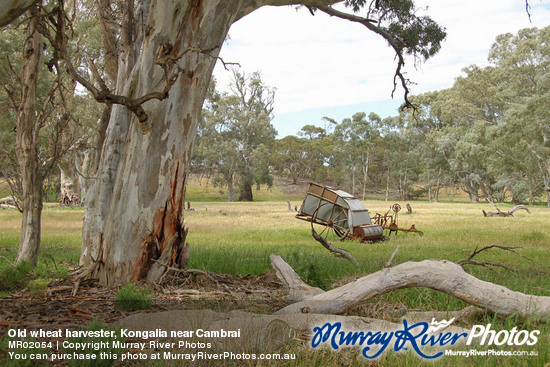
438	186
366	173
133	224
230	189
26	146
388	185
68	178
134	213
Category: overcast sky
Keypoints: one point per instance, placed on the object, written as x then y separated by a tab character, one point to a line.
324	66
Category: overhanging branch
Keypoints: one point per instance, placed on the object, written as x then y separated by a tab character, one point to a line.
393	42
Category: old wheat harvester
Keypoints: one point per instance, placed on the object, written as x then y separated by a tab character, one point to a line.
339	215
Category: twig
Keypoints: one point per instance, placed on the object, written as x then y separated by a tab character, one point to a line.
9	262
388	264
487	264
189	271
393	42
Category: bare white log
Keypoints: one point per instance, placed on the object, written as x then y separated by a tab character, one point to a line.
8	206
390	260
509	213
441	275
297	290
10	200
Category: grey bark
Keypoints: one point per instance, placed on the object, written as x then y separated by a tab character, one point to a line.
26	146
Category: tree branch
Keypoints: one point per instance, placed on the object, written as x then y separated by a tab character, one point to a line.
394	43
337	251
487	264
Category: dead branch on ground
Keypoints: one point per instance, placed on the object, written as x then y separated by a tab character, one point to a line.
337	251
440	275
509	213
487	264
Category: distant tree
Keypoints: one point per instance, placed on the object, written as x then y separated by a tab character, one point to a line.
35	120
522	67
357	137
292	158
236	132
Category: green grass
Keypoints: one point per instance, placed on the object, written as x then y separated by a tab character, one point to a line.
24	352
12	278
131	297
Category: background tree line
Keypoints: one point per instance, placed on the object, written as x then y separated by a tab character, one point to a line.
488	134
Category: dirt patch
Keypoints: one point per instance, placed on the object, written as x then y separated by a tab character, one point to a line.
57	308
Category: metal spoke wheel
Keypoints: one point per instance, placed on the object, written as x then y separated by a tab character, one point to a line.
330	222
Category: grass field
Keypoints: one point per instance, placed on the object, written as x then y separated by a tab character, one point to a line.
238	238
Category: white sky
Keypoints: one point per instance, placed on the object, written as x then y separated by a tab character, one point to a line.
324	66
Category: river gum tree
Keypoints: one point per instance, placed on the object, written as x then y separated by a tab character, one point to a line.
133	225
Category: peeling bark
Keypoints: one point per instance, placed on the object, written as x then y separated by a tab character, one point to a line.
135	208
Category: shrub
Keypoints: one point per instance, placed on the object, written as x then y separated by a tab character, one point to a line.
132	297
38	287
310	272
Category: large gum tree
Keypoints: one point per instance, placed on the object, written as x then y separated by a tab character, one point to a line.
134	225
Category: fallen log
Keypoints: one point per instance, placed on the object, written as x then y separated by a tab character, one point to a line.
297	289
7	206
11	200
440	275
509	213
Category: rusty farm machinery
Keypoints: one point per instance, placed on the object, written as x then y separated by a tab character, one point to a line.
339	215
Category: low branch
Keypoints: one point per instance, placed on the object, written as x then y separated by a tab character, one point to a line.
8	206
390	260
8	261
